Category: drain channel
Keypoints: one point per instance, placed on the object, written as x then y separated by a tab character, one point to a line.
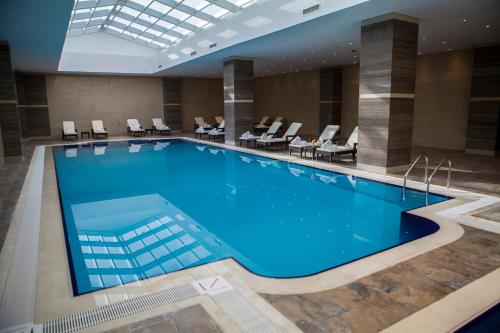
119	309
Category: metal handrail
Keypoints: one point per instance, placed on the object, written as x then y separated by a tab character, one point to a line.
411	168
446	159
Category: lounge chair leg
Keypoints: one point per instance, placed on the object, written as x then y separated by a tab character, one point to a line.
331	161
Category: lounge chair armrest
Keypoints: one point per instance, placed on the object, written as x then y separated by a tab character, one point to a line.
289	137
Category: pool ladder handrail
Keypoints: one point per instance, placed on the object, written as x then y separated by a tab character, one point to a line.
426	159
443	161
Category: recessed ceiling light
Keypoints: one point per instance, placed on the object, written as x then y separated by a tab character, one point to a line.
335	54
419	53
449	49
487	26
464	20
350	43
443	42
355	56
424	38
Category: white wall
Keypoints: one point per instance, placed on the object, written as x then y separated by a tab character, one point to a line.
112	99
103	53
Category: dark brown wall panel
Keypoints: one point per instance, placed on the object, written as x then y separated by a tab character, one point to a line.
483	127
33	104
172	107
330	108
9	115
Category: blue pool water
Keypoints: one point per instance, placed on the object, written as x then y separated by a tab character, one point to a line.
136	209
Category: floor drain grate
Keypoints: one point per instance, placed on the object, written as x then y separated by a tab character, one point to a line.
120	309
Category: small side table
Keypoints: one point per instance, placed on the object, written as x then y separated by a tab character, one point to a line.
85	132
151	131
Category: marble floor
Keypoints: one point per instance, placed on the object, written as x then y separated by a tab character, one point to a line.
193	319
12	176
379	300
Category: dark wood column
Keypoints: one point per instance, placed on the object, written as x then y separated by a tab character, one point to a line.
387	92
238	98
330	97
9	115
33	105
483	128
172	108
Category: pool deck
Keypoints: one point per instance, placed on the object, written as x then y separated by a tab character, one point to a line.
401	288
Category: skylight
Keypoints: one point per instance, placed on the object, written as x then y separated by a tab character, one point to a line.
155	23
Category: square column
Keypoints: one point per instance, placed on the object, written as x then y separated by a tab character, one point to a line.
9	114
330	97
238	98
172	108
387	92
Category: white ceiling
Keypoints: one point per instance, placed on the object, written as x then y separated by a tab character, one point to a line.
331	39
36	34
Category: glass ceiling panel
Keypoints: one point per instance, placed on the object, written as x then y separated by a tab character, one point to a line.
159	7
155	23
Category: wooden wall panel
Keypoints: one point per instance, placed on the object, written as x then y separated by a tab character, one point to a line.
330	99
9	115
33	104
172	107
238	98
483	127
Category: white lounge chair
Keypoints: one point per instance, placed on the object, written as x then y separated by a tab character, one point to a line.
69	130
271	132
332	149
134	128
200	122
219	119
218	132
302	145
290	133
98	129
262	123
160	127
